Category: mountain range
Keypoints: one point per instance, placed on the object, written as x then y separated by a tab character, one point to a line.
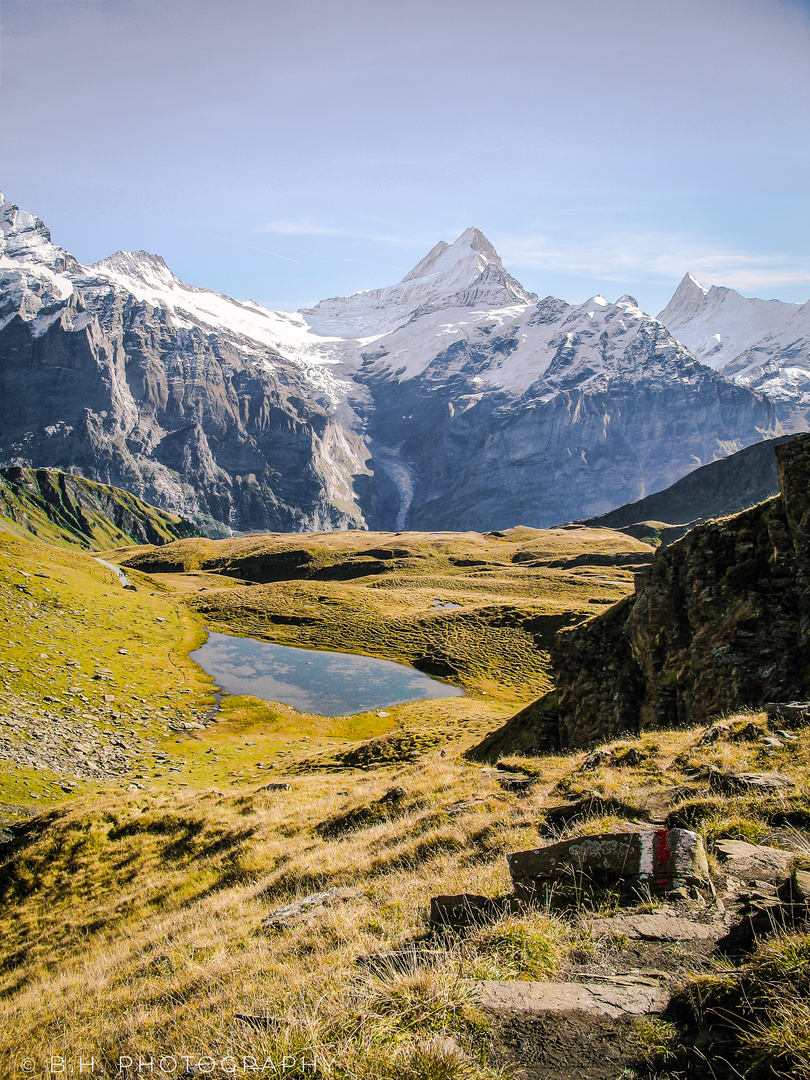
455	399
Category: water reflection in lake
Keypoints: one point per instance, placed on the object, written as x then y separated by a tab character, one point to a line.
328	683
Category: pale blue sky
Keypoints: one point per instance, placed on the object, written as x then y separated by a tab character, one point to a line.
289	151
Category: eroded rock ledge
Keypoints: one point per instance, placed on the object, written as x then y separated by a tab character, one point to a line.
720	621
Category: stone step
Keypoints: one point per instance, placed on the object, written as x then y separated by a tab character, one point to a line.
659	926
615	996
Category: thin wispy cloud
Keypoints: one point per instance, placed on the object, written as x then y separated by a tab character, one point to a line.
303	227
654	256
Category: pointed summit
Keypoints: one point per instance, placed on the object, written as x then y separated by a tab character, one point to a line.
127	267
467	273
718	325
687	300
471	246
26	238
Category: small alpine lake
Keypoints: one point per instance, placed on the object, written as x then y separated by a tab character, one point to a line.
313	680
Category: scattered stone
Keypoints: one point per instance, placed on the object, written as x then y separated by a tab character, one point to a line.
713	734
615	997
792	714
308	907
750	863
463	805
590	805
763	915
516	783
628	756
731	783
617	757
594	760
663	860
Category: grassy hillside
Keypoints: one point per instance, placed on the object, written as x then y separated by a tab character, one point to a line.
142	845
481	611
87	661
58	508
132	924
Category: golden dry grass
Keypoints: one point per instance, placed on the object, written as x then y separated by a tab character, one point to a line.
385	595
131	921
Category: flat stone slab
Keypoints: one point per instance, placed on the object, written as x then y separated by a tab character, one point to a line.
754	862
791	714
658	927
751	781
616	997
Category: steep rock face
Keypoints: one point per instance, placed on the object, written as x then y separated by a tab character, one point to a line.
140	393
567	409
720	621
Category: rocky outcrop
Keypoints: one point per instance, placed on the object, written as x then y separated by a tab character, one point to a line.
720	621
195	424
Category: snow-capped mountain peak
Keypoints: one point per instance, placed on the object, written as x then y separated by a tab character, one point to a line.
25	238
718	324
467	273
445	259
139	266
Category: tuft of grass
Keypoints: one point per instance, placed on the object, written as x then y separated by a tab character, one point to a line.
532	946
657	1041
753	1022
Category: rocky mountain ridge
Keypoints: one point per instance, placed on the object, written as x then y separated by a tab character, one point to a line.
719	622
453	400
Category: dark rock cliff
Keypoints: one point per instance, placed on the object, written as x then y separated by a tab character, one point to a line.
720	621
191	422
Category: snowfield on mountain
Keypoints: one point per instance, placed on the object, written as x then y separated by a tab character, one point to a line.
454	399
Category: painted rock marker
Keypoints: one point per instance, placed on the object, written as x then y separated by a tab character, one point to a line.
661	859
